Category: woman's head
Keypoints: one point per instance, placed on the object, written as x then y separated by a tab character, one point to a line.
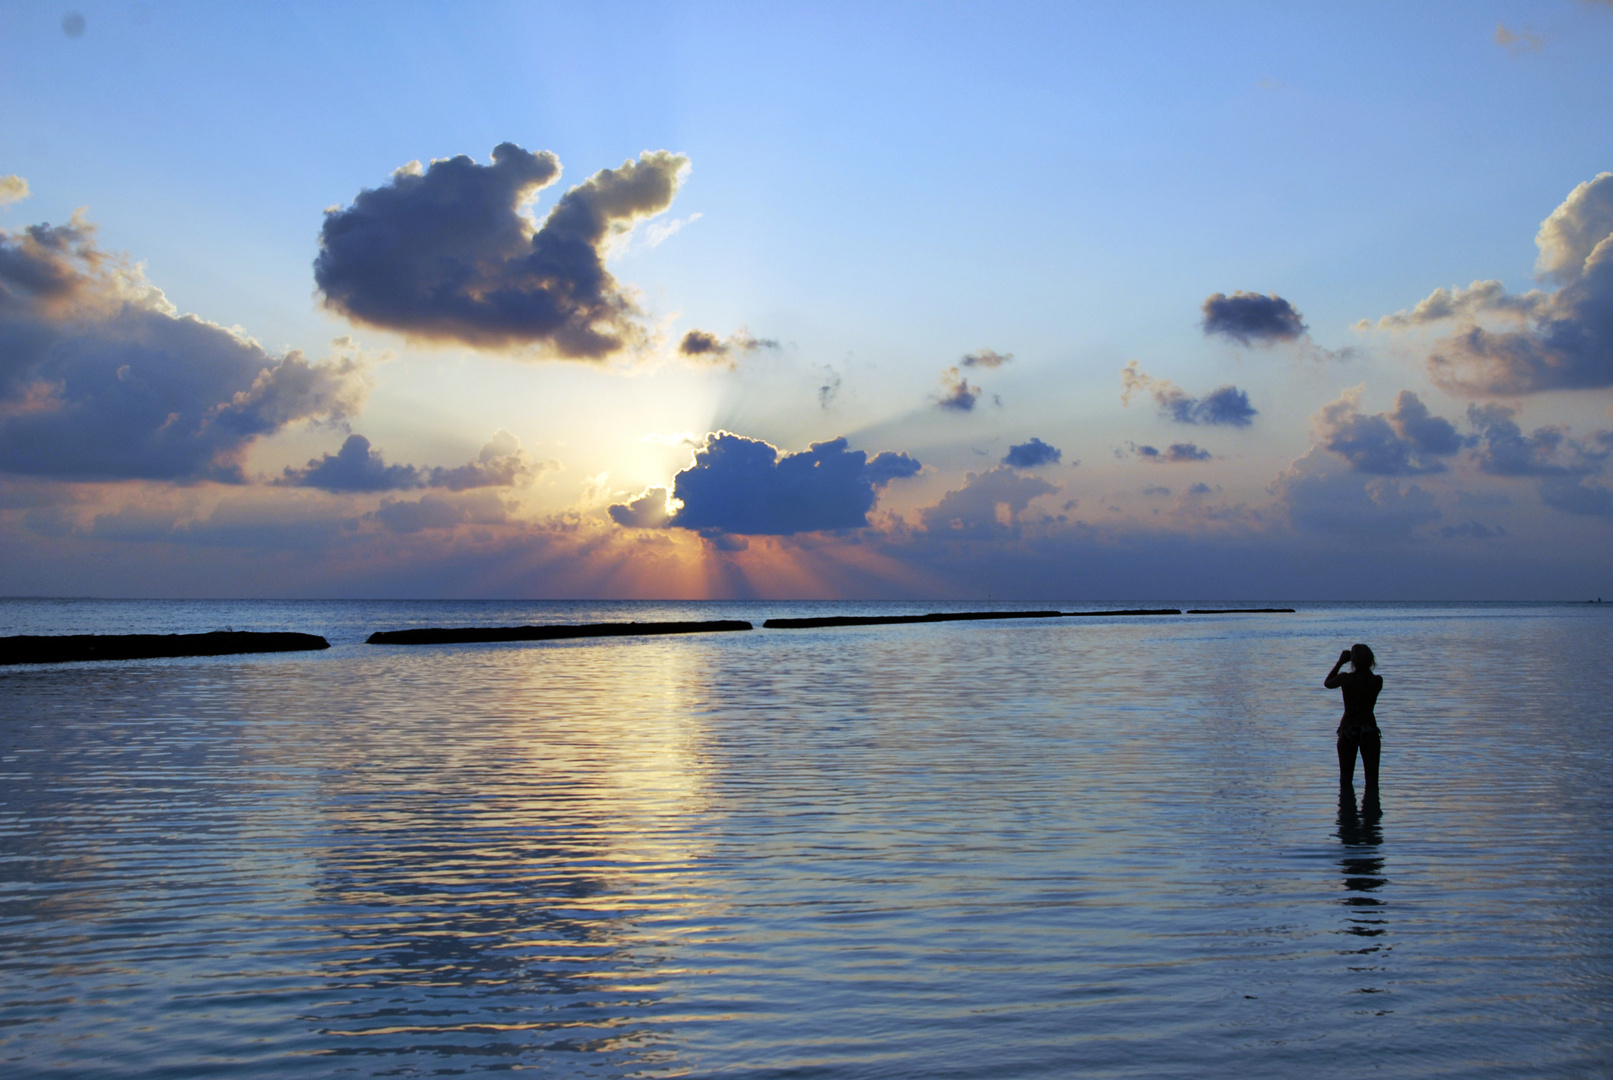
1361	657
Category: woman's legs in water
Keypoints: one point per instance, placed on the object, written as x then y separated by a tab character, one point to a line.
1347	761
1370	746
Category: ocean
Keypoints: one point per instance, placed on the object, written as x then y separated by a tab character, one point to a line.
1095	848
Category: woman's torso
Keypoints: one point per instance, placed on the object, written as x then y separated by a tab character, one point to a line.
1360	696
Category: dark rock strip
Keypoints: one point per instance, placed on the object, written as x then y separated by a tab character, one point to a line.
56	649
472	634
1242	611
1128	611
890	620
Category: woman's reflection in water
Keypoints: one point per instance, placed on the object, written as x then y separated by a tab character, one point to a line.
1361	834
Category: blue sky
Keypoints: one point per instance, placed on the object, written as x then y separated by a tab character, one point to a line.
870	195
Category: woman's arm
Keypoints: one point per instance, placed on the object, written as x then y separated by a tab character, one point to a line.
1333	680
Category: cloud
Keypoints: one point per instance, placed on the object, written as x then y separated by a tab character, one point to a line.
650	510
445	253
102	378
988	506
829	389
1405	442
1577	497
1554	341
1317	496
1504	450
501	463
356	467
987	358
1175	454
1516	43
433	511
13	188
701	345
1223	405
73	24
1029	455
956	393
747	486
1252	319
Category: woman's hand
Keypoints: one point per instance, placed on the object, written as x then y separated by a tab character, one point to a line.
1345	657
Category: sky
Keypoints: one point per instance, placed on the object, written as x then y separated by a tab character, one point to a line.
1055	302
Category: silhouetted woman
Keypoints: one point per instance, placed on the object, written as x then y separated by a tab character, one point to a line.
1359	728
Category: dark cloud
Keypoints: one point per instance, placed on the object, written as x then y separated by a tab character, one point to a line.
356	467
1224	405
987	358
1174	454
1404	442
101	378
1551	341
1577	497
988	506
1252	319
446	253
1504	450
700	345
1029	455
746	486
956	393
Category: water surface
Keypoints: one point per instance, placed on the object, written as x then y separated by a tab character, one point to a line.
1045	848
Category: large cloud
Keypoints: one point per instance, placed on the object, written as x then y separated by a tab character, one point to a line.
1552	341
1223	405
747	486
102	378
356	467
1318	496
1404	442
445	252
1252	319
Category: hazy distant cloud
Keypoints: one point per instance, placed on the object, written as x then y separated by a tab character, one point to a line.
73	24
13	188
1404	442
988	506
746	486
1316	495
1516	43
1252	319
102	378
356	467
956	393
829	389
445	252
1472	530
1577	497
1504	450
1565	341
1175	454
433	511
1223	405
701	345
987	358
1029	455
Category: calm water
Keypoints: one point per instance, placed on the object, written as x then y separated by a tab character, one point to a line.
1019	849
